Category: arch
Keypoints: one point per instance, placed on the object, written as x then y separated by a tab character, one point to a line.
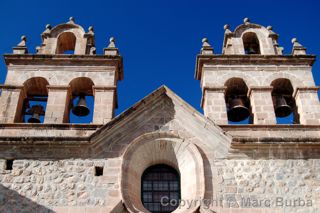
32	100
295	82
80	101
237	102
251	43
66	42
160	181
248	79
283	101
282	86
36	86
151	149
81	85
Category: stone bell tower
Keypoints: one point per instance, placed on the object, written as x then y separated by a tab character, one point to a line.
252	79
64	67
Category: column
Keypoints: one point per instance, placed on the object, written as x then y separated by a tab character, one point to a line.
104	104
262	105
11	101
57	110
214	104
307	102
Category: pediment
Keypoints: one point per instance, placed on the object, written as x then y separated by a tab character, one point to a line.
160	112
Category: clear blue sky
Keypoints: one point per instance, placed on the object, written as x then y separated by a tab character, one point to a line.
159	40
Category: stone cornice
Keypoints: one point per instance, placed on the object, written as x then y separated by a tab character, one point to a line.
12	87
305	89
68	60
252	60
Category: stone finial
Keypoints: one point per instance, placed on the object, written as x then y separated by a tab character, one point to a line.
23	41
269	28
112	41
21	48
246	20
47	31
206	47
297	48
90	29
71	20
226	27
111	49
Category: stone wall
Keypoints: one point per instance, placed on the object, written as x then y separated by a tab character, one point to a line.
52	184
241	183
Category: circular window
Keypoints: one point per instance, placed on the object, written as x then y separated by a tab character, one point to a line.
160	187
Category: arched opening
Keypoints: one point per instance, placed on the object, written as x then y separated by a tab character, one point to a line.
237	101
160	184
251	43
33	101
81	101
66	43
283	102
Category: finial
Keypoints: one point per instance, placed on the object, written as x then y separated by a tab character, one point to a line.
226	27
111	49
21	48
206	47
71	20
23	41
48	26
294	40
297	48
269	27
90	28
246	20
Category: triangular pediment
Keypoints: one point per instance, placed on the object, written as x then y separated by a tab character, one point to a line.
161	111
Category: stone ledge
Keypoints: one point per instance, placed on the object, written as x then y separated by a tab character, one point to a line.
252	60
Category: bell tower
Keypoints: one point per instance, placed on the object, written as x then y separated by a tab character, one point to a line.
60	78
252	79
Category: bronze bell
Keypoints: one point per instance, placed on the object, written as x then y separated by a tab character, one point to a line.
237	110
34	119
35	111
81	108
282	109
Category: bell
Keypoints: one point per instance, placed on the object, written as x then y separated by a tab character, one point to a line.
237	110
35	118
81	108
35	111
282	109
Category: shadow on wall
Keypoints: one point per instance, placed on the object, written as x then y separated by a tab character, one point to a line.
11	201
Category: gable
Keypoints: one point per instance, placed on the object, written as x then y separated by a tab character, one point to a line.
160	112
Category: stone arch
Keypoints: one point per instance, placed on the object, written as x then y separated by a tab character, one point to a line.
251	43
32	87
66	41
161	148
77	101
249	80
293	79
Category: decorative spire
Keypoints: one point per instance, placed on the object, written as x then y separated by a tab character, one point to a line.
71	20
297	48
21	48
206	47
246	20
111	49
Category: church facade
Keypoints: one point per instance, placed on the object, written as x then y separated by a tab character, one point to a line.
161	154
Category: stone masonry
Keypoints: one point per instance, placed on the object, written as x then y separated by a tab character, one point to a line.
260	167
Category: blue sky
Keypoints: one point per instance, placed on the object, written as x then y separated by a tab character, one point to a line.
159	40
